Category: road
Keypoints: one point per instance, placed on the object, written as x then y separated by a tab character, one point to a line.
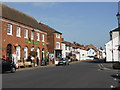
77	75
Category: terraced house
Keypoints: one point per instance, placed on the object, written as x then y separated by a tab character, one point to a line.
21	34
54	44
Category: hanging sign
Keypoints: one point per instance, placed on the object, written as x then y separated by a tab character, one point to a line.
32	42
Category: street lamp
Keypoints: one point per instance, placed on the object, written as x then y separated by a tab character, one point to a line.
118	17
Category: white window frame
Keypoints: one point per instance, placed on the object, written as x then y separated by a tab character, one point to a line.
9	27
57	45
43	37
38	52
32	35
25	33
38	36
18	52
25	52
18	31
57	35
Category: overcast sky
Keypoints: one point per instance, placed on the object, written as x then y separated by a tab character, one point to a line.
83	22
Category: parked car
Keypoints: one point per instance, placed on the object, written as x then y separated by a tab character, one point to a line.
7	66
63	61
116	65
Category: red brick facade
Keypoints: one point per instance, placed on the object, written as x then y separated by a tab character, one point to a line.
21	41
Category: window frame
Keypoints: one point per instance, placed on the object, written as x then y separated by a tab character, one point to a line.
18	31
43	38
57	35
38	36
56	45
25	33
10	28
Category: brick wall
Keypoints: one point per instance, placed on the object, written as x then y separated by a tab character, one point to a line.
12	39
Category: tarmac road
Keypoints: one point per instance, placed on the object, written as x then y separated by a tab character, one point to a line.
76	75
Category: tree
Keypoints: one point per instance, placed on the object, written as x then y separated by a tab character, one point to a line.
33	53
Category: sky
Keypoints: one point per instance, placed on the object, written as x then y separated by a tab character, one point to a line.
83	22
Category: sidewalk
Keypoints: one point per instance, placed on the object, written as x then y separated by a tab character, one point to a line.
107	66
29	68
50	65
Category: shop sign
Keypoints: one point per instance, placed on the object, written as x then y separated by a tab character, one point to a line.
32	42
73	53
43	44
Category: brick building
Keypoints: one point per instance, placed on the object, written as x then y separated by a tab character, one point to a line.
21	34
54	39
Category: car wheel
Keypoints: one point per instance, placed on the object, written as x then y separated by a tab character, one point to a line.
13	70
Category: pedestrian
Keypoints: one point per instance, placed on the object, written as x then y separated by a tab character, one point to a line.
3	57
29	59
37	61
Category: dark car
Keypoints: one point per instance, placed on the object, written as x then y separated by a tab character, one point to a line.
116	65
63	61
7	66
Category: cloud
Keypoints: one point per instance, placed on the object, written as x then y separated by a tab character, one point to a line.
44	4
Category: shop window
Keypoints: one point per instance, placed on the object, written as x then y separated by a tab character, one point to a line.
9	29
25	33
18	52
32	49
18	31
38	52
25	52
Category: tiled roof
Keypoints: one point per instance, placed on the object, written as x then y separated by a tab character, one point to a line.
48	28
20	17
91	46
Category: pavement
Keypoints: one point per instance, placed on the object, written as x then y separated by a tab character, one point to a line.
50	65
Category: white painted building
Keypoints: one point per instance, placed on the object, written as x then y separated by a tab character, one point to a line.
83	54
91	53
112	52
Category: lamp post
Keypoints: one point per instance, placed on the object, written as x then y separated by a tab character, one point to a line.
118	17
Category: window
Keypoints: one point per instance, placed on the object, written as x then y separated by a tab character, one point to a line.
18	52
43	38
32	35
38	52
38	36
18	31
9	29
32	49
25	52
25	33
57	45
57	35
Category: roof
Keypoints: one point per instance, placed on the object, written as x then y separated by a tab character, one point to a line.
91	46
48	28
115	30
20	17
73	45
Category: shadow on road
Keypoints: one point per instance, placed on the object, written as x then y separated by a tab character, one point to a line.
115	76
96	61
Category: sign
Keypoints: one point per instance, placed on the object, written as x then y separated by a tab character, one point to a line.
32	42
43	44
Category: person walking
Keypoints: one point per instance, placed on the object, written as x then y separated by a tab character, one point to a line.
37	61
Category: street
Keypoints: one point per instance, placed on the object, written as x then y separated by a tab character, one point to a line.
76	75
